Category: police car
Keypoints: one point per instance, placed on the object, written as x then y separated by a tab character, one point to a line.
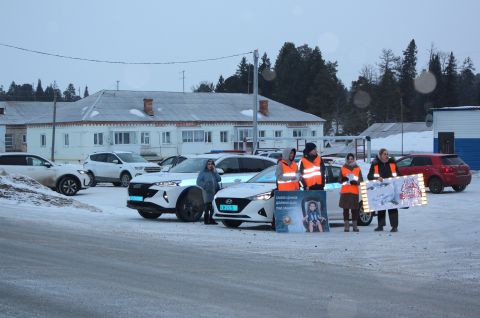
176	191
253	200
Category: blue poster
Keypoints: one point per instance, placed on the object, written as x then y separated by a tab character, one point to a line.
301	211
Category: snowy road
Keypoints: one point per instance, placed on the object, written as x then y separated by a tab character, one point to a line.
74	262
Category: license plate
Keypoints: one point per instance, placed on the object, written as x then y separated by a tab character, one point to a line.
460	171
136	198
228	207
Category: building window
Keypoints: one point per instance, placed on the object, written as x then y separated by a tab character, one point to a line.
98	139
193	136
66	140
299	132
208	136
224	136
8	142
43	140
2	111
278	134
24	139
244	133
166	137
145	138
124	138
314	133
261	133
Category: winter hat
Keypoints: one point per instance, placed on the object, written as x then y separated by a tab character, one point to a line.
309	146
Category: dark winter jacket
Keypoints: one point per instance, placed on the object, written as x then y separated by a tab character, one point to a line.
208	181
383	168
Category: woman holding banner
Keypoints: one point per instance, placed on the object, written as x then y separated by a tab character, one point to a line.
384	167
351	176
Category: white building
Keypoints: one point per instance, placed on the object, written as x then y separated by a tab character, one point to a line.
158	124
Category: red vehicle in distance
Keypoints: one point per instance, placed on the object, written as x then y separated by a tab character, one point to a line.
439	170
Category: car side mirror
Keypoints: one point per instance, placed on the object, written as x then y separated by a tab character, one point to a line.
47	164
115	161
166	168
220	170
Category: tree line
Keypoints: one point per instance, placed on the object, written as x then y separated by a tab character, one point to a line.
26	92
391	91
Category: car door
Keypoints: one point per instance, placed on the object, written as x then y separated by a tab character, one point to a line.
231	171
423	165
41	170
404	166
14	164
332	188
113	166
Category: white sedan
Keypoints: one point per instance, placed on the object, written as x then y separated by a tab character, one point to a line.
253	201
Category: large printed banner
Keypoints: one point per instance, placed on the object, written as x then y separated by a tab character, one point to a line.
301	211
392	193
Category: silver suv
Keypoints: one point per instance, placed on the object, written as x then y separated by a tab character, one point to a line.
66	179
117	167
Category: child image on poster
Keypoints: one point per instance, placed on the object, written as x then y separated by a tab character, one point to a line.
314	218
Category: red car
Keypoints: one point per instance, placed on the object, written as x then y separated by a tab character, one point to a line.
439	170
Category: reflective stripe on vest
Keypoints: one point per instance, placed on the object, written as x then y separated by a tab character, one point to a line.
288	171
392	169
311	171
346	186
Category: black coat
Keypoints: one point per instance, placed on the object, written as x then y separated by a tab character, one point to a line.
383	168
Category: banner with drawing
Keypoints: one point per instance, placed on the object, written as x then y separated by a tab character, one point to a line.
393	193
301	211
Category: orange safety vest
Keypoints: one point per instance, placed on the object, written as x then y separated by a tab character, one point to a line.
311	171
346	186
288	171
392	168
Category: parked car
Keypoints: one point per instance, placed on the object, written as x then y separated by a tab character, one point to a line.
65	179
254	202
169	162
439	170
117	167
176	191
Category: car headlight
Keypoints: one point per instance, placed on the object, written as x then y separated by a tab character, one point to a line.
138	168
82	171
261	196
171	183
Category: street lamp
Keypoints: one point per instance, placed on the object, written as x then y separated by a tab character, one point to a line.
401	117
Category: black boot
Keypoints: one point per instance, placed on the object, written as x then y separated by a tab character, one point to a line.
379	228
206	218
212	221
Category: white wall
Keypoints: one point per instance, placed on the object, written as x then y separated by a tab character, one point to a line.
464	123
81	139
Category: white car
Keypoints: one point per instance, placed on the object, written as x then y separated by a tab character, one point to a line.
253	201
176	191
65	179
117	167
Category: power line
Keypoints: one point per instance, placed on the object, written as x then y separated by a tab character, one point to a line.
122	62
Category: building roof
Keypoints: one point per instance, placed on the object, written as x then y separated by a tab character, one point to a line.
128	106
381	130
457	108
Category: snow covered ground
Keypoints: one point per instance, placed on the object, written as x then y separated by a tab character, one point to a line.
437	241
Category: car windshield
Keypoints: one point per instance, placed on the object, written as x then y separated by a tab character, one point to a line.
266	176
452	161
131	157
192	165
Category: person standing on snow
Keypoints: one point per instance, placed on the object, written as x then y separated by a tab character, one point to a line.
384	167
286	172
208	179
312	169
350	177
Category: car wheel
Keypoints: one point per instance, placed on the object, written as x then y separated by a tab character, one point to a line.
190	205
232	223
93	182
364	219
117	184
435	185
273	223
459	188
125	179
68	186
149	215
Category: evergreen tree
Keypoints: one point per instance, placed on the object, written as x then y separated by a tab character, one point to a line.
70	93
387	106
466	84
233	84
266	77
85	93
289	68
451	76
407	76
357	114
12	91
437	97
220	87
39	93
3	95
204	87
245	76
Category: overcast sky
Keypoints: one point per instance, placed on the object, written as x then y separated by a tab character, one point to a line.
350	32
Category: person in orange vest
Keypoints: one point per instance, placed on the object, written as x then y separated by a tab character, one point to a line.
286	172
350	177
384	167
312	169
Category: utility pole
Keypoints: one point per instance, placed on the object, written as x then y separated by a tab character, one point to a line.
52	157
401	118
255	101
118	84
183	81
